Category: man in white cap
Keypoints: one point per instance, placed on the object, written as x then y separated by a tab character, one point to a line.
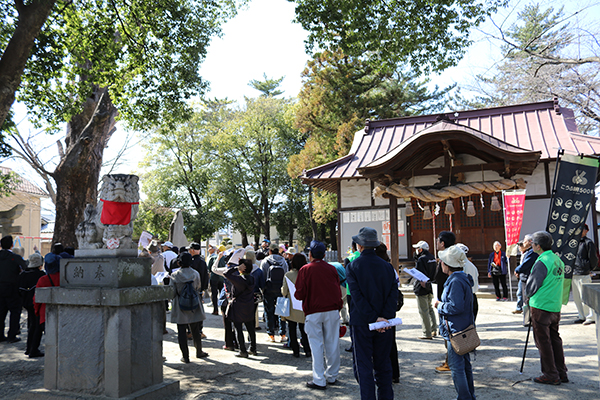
426	264
168	254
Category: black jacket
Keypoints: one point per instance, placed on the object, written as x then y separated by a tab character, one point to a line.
586	259
11	265
199	265
27	282
373	288
426	264
241	304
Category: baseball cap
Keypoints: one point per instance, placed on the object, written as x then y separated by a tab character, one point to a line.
421	244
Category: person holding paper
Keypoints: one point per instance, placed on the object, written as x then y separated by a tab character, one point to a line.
296	318
426	264
374	295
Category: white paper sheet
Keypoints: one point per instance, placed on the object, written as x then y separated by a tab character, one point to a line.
296	304
383	324
145	239
415	273
161	275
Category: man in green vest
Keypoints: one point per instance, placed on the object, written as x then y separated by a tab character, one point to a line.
544	289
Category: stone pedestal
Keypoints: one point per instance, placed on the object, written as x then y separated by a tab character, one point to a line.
104	328
591	297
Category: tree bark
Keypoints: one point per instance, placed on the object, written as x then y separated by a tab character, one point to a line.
313	224
291	235
12	64
333	234
244	238
78	172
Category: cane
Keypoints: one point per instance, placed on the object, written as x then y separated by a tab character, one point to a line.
525	349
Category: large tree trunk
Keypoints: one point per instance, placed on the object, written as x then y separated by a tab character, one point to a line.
18	50
244	238
291	235
322	233
78	172
313	224
256	240
333	234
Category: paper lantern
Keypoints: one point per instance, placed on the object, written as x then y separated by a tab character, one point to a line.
427	213
449	207
495	204
409	212
470	209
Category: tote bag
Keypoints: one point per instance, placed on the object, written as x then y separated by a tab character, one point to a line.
282	308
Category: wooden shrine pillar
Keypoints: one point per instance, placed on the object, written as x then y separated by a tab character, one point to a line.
394	233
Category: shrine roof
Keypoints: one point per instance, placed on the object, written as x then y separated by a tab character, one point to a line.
545	127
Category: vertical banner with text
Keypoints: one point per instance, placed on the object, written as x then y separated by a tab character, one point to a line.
514	203
572	196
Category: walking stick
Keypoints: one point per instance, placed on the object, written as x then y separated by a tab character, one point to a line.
525	349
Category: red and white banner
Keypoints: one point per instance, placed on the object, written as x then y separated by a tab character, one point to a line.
514	203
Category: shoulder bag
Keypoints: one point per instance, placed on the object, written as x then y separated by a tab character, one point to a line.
465	341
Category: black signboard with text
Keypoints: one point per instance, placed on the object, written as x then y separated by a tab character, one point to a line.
572	195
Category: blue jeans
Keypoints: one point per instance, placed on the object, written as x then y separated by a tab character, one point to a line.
462	374
269	302
520	296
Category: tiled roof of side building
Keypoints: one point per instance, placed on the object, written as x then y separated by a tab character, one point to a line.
24	185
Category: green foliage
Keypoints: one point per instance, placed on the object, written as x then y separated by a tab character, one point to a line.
178	168
8	183
198	225
268	87
427	34
292	214
153	219
145	52
252	157
8	128
339	93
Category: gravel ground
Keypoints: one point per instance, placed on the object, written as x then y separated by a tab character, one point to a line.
275	374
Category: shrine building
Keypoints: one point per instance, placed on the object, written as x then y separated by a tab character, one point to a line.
418	168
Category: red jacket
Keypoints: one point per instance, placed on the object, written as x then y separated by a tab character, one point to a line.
44	281
318	286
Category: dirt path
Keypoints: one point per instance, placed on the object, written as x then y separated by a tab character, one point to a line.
275	374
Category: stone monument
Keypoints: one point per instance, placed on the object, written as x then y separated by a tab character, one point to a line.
8	217
104	324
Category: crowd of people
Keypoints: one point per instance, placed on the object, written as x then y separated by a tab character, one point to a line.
18	280
321	298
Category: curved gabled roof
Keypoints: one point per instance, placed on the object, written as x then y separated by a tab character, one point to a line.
443	137
539	127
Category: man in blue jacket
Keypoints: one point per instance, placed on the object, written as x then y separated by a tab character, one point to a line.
374	293
528	258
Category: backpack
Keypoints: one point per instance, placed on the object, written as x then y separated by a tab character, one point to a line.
275	278
188	298
400	300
